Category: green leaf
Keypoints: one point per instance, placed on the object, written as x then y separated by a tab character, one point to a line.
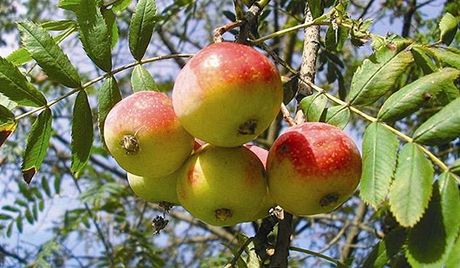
427	239
141	27
37	145
110	19
450	205
337	116
121	5
72	5
313	106
57	183
58	25
316	8
16	87
82	133
422	60
455	167
48	55
142	80
442	127
448	27
377	74
95	34
29	217
7	123
380	148
411	189
109	95
438	86
46	186
446	56
21	55
386	249
19	223
454	257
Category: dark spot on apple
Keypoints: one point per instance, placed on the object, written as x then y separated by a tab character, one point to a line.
28	174
130	144
223	214
4	135
329	199
248	127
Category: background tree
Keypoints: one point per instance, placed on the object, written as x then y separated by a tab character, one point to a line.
398	93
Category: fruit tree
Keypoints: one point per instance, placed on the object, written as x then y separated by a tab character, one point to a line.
260	133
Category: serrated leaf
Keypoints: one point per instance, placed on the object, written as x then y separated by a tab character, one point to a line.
450	205
386	249
142	80
411	188
438	86
380	148
48	55
313	106
442	127
423	61
95	34
121	5
448	26
82	133
337	116
37	145
446	56
16	87
427	239
378	73
7	123
111	21
108	96
141	27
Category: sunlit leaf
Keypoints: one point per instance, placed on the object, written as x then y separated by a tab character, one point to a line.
438	86
141	27
411	188
442	127
380	147
378	73
48	55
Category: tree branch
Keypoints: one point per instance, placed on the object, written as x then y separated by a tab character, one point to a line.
15	256
408	18
354	231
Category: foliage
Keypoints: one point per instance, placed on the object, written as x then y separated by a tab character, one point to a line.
404	94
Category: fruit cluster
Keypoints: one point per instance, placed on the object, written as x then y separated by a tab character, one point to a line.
227	95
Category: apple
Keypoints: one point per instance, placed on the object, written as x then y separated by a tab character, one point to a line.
155	189
144	135
222	186
227	94
313	168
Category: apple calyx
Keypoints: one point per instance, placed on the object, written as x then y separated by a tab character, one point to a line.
223	214
130	144
248	128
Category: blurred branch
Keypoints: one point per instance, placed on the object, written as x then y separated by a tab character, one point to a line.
353	232
324	257
408	18
7	253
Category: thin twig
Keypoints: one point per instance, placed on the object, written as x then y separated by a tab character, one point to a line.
319	255
99	78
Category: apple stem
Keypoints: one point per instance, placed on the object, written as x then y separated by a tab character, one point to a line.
130	144
223	214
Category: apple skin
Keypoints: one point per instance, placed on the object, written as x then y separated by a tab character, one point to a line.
155	189
313	168
222	186
227	94
145	137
